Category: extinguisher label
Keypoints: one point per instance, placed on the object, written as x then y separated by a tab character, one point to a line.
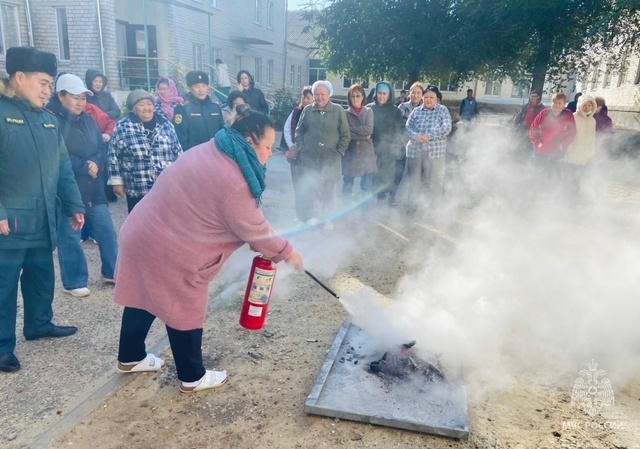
255	311
261	286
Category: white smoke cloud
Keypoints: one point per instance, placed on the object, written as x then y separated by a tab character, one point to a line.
519	284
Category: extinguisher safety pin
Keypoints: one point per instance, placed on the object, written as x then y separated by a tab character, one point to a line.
321	284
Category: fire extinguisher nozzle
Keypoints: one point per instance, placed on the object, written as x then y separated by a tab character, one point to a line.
321	284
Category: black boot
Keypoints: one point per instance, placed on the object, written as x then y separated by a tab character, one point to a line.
9	363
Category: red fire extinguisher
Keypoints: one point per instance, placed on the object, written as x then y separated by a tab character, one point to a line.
256	297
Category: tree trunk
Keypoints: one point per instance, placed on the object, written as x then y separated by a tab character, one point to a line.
541	63
414	73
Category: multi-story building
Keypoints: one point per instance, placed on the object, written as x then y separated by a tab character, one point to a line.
619	86
301	49
134	42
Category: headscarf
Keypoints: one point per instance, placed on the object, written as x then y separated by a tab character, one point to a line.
233	144
171	99
324	83
383	87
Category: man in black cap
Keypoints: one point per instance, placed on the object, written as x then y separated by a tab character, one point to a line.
199	119
35	173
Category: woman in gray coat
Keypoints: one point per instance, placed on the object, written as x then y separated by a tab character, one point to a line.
322	137
360	157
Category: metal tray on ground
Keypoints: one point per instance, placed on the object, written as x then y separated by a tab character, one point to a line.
345	389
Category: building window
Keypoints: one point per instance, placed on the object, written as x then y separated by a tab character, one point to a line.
237	63
141	42
198	56
292	75
607	76
258	12
594	78
300	76
257	73
270	9
217	54
316	71
9	29
269	71
63	33
347	82
624	68
214	4
492	88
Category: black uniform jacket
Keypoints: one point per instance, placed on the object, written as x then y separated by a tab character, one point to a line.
197	121
35	174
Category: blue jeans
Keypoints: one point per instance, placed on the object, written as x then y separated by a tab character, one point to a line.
73	264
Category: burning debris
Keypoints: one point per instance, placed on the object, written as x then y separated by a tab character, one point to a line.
397	389
404	362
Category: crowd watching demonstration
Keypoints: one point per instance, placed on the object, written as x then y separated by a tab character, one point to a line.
195	162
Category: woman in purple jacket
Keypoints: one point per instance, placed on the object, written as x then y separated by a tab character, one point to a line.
201	209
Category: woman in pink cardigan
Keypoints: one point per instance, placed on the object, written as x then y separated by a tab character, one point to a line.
200	210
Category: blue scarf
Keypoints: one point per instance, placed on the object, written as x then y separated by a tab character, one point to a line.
233	144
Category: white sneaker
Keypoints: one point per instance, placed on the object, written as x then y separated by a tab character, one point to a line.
211	379
312	222
328	226
78	292
108	280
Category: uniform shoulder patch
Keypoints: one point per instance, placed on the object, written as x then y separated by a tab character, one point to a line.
177	119
49	125
16	121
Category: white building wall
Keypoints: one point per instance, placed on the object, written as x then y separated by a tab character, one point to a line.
297	57
620	89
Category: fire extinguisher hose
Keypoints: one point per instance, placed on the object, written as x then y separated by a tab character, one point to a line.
322	285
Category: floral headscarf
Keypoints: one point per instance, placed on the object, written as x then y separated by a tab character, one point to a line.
168	101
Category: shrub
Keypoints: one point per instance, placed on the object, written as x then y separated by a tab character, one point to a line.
282	101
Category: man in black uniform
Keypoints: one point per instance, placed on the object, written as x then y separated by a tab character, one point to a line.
35	177
199	119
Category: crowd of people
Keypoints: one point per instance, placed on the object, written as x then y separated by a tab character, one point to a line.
193	175
193	187
562	141
372	141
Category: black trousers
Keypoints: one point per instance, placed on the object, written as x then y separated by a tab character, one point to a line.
397	179
132	201
34	268
186	346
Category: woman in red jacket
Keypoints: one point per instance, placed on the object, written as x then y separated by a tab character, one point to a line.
551	133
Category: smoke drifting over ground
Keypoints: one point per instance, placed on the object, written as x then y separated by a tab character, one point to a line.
527	284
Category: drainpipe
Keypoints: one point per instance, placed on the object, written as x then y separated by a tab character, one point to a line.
211	61
29	25
104	67
284	71
146	43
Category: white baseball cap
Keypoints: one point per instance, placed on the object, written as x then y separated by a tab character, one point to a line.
72	84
